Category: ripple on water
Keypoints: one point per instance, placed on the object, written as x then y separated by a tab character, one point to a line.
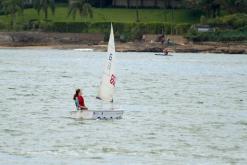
187	109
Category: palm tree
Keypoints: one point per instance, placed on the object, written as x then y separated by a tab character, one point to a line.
82	6
12	7
101	3
156	3
113	3
137	12
236	5
211	7
128	3
44	5
142	3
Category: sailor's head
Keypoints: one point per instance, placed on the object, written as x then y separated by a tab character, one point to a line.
78	92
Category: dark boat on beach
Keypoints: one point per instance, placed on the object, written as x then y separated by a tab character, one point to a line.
162	54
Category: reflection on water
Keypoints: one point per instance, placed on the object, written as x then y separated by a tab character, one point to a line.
187	108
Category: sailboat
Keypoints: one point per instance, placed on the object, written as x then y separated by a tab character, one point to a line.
106	89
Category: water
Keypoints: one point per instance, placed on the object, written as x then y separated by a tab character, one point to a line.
185	109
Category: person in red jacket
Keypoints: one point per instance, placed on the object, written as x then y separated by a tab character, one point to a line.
79	100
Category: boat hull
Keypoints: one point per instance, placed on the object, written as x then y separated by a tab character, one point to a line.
162	54
94	115
84	50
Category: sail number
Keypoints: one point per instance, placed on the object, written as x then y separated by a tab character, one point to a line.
113	80
110	57
109	64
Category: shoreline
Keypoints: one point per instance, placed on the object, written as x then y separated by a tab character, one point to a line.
34	40
141	47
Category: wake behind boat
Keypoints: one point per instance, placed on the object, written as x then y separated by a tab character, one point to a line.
106	89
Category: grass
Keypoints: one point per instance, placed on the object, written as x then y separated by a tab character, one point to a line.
113	15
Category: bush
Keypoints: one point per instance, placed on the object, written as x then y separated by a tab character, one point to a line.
227	35
72	27
228	28
234	20
46	25
31	24
2	26
203	20
123	31
130	31
182	28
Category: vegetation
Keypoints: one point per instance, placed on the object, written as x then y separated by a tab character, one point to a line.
223	36
227	28
82	7
125	31
12	8
114	15
44	5
171	18
232	21
214	8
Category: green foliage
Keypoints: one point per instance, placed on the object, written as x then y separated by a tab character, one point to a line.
12	7
31	25
235	20
44	5
228	28
214	8
234	6
182	28
123	31
227	35
114	15
73	27
2	26
82	7
211	8
126	31
203	19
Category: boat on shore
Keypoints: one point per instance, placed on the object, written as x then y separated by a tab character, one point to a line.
84	50
166	52
162	54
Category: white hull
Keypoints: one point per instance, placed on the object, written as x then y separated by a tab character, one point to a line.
162	54
84	50
94	115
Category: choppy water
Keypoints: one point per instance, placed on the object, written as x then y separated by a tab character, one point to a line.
185	109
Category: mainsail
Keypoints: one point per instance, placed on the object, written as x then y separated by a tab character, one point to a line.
108	82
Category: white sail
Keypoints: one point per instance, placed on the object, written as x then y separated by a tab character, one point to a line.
108	82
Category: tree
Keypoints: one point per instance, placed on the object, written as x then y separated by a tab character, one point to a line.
192	4
212	8
82	6
168	3
44	5
128	3
12	7
155	3
101	3
137	12
236	5
142	3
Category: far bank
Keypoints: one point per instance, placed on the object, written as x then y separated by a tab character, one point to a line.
96	42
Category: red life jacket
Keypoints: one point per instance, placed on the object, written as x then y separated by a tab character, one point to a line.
81	101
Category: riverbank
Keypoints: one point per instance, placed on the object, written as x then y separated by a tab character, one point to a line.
96	42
